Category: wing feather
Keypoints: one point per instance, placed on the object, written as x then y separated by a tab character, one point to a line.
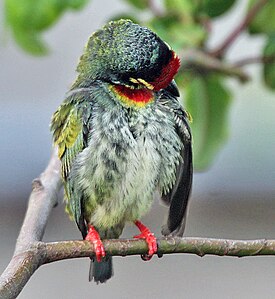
70	129
177	197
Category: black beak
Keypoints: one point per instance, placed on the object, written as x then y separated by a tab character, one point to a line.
173	89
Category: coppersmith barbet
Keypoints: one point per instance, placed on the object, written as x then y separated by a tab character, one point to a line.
122	135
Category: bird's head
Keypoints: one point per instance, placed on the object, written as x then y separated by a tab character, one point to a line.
126	54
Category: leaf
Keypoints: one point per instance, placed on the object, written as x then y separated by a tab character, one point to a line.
207	100
30	42
264	22
176	33
269	67
29	18
75	4
215	8
212	8
139	4
179	6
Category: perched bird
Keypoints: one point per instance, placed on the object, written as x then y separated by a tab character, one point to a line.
122	135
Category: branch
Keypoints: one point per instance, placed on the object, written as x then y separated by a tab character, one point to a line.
42	253
42	199
25	259
253	11
257	59
194	58
200	246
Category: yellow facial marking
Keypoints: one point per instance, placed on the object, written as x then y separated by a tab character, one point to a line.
146	84
143	82
134	80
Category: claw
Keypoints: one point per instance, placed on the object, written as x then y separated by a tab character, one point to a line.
149	238
94	238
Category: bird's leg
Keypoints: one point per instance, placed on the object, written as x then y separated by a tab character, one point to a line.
149	237
94	238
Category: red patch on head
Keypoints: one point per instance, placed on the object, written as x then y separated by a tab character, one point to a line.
143	95
167	73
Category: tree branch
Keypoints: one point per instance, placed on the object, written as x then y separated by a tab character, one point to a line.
200	246
194	58
41	253
25	259
257	59
253	11
42	199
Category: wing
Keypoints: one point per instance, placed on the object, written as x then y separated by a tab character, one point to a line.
70	127
177	197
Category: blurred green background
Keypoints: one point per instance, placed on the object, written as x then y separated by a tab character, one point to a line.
233	127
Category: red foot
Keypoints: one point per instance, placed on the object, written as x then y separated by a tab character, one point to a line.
149	238
94	238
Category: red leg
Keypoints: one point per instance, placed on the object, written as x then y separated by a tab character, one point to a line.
94	238
149	237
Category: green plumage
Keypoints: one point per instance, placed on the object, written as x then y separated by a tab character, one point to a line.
113	156
117	52
68	127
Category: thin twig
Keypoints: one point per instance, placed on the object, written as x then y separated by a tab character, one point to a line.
253	11
198	59
257	59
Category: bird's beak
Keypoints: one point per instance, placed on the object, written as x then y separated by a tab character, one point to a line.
173	89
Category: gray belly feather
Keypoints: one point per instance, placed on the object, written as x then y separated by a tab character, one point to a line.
129	155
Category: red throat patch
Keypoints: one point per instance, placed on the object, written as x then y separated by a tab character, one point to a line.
134	97
167	73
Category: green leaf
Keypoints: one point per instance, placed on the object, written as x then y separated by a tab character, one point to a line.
185	8
183	11
75	4
139	4
176	33
179	6
214	8
30	18
269	67
207	100
30	42
264	22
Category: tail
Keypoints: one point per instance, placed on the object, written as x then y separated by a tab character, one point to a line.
101	271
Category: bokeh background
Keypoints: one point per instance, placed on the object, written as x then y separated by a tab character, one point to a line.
233	199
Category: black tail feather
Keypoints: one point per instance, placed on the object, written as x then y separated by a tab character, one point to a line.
101	271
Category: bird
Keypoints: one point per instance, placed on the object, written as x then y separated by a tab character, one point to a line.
123	135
